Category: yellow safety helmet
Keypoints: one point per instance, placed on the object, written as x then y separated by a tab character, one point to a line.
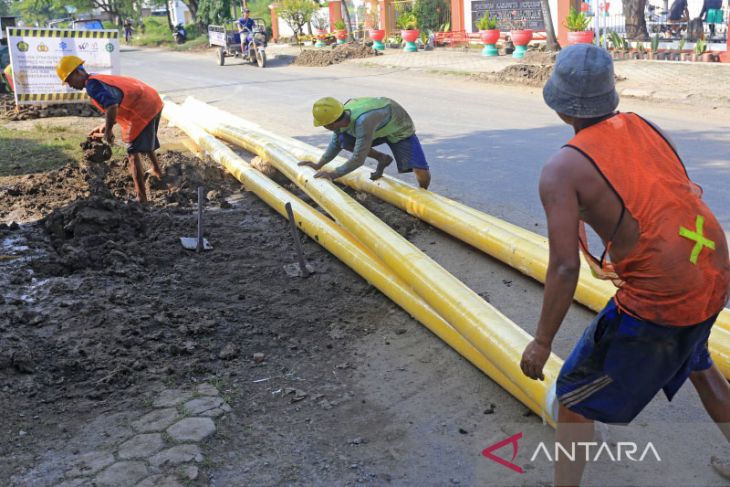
67	65
327	110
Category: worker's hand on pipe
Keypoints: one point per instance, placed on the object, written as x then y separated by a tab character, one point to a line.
326	175
311	164
534	357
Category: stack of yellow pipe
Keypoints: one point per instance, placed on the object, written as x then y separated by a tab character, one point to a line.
349	250
517	247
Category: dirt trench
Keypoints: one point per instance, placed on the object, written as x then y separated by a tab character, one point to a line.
101	304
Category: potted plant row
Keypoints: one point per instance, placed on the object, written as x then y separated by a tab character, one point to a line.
320	25
340	32
489	34
622	49
376	33
519	36
577	24
408	24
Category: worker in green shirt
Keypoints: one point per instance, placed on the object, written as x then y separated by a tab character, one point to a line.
358	126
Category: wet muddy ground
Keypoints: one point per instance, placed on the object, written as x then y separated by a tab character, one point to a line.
102	305
328	382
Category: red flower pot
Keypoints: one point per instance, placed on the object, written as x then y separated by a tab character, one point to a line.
521	37
581	37
341	34
377	34
410	35
490	36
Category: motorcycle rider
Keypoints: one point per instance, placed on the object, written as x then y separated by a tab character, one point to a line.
245	27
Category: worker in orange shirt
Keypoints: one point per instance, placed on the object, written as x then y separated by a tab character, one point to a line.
135	106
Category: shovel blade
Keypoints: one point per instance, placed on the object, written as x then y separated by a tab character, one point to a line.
191	243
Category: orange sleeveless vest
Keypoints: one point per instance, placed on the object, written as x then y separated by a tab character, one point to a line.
140	105
678	273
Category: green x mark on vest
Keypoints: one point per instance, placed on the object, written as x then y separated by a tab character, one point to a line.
698	238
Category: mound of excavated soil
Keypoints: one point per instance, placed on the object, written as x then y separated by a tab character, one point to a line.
89	234
8	110
534	56
527	74
34	196
96	150
335	55
519	74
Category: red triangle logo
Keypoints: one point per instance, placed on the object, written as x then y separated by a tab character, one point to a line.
487	452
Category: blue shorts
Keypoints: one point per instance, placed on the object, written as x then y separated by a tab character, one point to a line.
408	152
621	363
147	140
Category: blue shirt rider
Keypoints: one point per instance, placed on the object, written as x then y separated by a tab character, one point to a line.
245	25
245	22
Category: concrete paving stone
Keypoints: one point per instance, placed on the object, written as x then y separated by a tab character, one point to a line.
157	420
190	472
192	429
160	481
90	463
207	390
213	413
74	483
172	397
202	404
141	446
122	474
176	455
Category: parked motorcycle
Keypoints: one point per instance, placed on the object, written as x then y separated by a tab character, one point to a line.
179	34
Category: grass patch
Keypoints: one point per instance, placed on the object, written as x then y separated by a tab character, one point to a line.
29	151
197	44
43	148
157	33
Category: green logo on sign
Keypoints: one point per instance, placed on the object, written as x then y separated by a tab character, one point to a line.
109	47
22	46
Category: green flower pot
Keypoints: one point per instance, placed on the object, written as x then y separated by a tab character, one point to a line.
377	35
490	50
410	36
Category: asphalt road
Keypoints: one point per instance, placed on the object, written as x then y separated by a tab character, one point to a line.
486	145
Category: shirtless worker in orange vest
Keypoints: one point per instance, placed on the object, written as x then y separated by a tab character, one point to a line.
132	104
668	256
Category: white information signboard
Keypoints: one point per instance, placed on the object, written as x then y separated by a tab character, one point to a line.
35	52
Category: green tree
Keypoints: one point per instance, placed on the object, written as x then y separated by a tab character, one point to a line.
260	9
40	11
297	13
213	12
431	14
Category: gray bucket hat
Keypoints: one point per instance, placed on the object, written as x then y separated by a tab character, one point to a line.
582	84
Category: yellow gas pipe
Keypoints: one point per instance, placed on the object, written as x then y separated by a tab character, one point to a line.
494	335
513	245
345	247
